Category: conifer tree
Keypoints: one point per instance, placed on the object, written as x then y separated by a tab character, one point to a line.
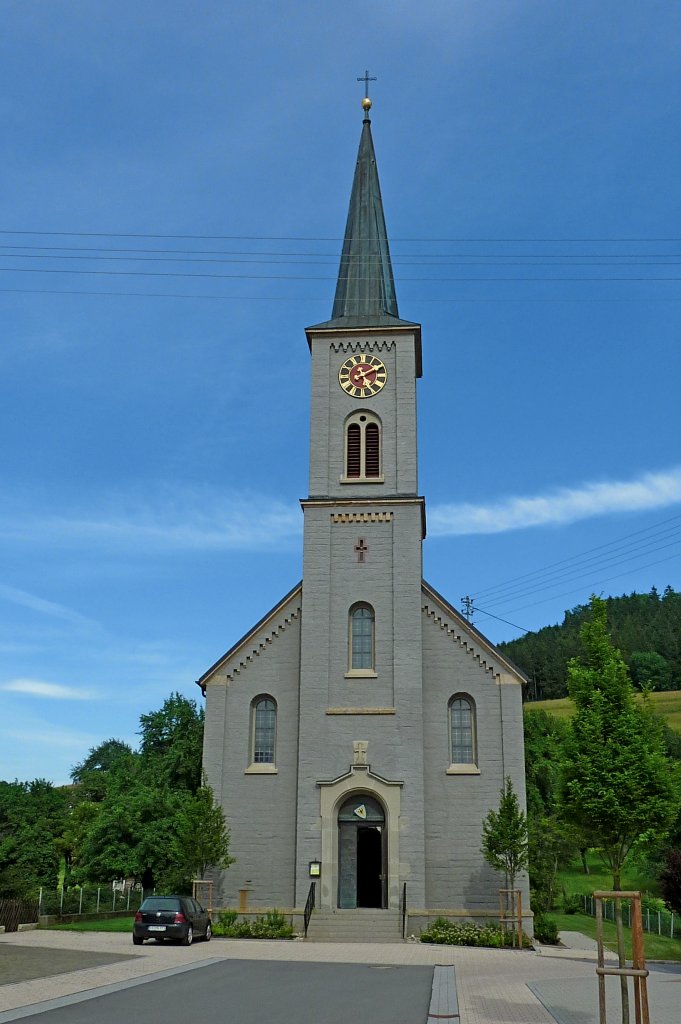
618	785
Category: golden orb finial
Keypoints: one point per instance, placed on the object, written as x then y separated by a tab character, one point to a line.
366	104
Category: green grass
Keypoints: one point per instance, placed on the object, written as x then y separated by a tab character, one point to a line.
115	924
657	947
572	878
667	704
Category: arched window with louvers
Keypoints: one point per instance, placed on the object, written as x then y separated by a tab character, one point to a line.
363	456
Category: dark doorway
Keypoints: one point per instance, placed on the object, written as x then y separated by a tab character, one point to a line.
369	866
362	853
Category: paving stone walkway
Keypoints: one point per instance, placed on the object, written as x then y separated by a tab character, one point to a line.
493	986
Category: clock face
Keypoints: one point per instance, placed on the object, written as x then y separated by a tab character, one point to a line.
362	376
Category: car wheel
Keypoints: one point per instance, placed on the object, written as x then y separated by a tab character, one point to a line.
209	932
189	937
137	940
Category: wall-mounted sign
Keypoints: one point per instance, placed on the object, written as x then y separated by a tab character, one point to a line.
315	868
360	811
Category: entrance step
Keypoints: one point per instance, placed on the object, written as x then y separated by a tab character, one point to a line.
362	925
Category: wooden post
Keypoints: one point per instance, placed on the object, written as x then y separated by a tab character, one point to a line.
602	1019
638	971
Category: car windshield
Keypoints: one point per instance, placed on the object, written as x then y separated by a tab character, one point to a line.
161	903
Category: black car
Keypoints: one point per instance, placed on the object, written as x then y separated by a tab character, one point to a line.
171	917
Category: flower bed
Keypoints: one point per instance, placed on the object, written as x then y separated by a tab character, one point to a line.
271	925
449	933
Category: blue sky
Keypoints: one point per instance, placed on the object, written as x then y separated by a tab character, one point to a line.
174	182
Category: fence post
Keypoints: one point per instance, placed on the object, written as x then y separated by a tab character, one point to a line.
98	892
671	926
648	919
61	899
113	905
80	901
40	900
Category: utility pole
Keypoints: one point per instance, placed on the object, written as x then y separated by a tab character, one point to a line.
467	607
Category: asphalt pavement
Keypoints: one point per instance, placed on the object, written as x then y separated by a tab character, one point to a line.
254	991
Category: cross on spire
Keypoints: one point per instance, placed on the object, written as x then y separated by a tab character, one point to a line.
366	78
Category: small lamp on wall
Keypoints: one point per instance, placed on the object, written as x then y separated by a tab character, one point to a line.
315	869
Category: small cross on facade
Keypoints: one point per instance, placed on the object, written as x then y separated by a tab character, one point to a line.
361	548
366	78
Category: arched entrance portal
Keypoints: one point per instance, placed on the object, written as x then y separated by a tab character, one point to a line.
362	853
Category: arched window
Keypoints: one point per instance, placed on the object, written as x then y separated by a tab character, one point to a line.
361	637
363	447
264	730
462	742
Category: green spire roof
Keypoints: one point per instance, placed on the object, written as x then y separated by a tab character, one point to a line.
365	291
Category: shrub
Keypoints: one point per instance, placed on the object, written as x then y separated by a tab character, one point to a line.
272	925
670	881
449	933
572	903
545	930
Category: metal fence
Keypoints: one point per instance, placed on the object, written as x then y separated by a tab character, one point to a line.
89	899
658	922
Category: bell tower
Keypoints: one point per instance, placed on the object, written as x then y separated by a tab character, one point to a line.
364	522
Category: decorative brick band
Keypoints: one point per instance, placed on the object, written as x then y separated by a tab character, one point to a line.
376	344
458	637
360	711
361	517
253	651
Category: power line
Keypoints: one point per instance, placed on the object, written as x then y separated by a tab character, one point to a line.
577	574
591	563
571	558
303	277
324	238
308	260
335	255
483	299
499	619
593	584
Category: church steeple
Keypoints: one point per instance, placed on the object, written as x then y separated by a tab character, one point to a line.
366	287
365	290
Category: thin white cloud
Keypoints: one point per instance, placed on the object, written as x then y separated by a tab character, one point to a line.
559	507
177	520
40	604
53	691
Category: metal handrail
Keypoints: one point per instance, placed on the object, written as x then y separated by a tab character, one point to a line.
309	907
404	910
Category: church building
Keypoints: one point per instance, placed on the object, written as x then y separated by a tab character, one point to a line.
360	732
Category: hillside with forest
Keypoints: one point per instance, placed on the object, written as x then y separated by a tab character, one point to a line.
645	627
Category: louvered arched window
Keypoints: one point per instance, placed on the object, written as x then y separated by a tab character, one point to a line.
462	741
361	637
363	448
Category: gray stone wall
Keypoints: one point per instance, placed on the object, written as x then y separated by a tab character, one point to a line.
456	804
395	405
260	809
389	579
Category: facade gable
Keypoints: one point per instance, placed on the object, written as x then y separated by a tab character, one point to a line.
256	640
438	610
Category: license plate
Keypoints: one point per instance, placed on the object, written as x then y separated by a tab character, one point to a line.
157	927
